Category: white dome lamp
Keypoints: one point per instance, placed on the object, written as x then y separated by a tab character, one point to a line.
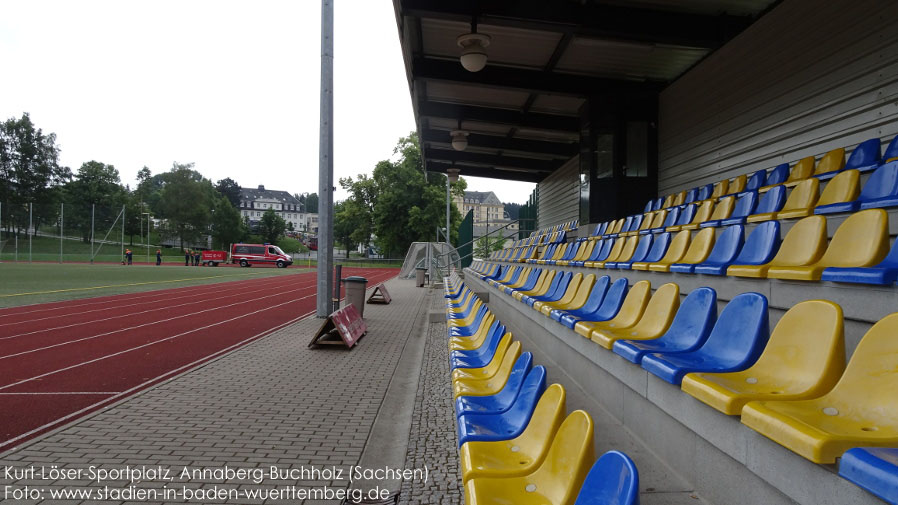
473	50
459	139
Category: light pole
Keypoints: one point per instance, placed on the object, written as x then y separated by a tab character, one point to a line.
148	235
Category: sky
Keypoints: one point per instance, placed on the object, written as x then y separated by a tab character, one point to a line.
230	86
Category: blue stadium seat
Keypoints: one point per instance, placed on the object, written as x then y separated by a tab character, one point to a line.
865	156
891	153
886	272
883	188
704	192
756	180
656	204
613	480
659	247
686	215
467	331
527	286
778	175
689	329
480	357
642	250
596	251
874	469
726	249
609	307
649	206
772	201
691	196
625	228
504	425
504	399
745	206
734	344
600	229
593	301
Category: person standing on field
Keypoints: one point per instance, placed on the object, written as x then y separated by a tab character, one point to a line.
158	257
129	255
196	258
187	257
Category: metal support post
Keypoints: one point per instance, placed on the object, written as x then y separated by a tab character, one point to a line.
326	163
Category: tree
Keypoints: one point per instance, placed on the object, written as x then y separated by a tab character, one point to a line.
486	245
343	226
229	188
29	169
228	226
95	196
311	203
272	226
513	210
358	209
185	203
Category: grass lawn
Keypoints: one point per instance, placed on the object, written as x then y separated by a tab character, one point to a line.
26	284
47	249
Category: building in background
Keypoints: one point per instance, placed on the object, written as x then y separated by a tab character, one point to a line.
255	201
489	213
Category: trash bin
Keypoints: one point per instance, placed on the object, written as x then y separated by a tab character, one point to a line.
419	276
355	293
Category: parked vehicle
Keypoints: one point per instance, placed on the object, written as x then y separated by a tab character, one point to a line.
250	254
213	258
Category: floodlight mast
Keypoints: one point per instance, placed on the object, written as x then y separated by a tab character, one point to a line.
326	164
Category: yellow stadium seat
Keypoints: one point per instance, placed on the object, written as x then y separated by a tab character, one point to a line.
541	287
832	161
801	171
558	478
656	318
737	185
569	293
844	187
668	201
803	245
860	411
582	253
657	220
800	203
475	340
625	253
803	359
862	240
647	219
487	371
617	226
520	455
467	320
490	385
576	302
675	251
522	279
678	200
628	315
678	247
720	188
702	214
699	248
558	254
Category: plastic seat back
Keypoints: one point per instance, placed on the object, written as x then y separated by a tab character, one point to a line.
737	185
613	480
678	246
772	201
648	206
642	249
657	220
832	161
762	244
687	215
611	305
891	153
844	187
679	198
704	192
802	170
659	248
689	329
605	251
742	324
690	196
593	302
659	311
745	204
756	180
727	245
861	240
883	183
804	243
670	219
627	250
628	223
778	174
504	399
874	469
512	422
656	205
699	248
803	196
720	189
567	463
866	154
703	213
723	209
668	201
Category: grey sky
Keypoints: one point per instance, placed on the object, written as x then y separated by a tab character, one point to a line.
231	86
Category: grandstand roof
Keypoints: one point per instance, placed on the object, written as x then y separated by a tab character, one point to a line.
523	109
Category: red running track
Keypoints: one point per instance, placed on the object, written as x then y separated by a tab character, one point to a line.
60	361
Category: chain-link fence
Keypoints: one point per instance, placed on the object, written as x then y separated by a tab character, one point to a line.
78	233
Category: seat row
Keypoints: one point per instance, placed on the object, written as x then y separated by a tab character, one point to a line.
858	252
515	443
792	385
865	157
841	194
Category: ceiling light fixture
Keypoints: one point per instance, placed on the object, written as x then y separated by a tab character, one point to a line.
473	50
459	139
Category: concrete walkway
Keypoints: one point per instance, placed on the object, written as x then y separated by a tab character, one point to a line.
273	422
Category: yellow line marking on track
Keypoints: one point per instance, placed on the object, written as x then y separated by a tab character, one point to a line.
121	285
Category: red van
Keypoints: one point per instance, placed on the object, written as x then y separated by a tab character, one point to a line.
250	254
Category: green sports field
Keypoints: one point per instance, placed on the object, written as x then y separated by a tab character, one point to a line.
26	284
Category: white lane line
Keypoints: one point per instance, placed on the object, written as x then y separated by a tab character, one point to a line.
150	381
151	323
